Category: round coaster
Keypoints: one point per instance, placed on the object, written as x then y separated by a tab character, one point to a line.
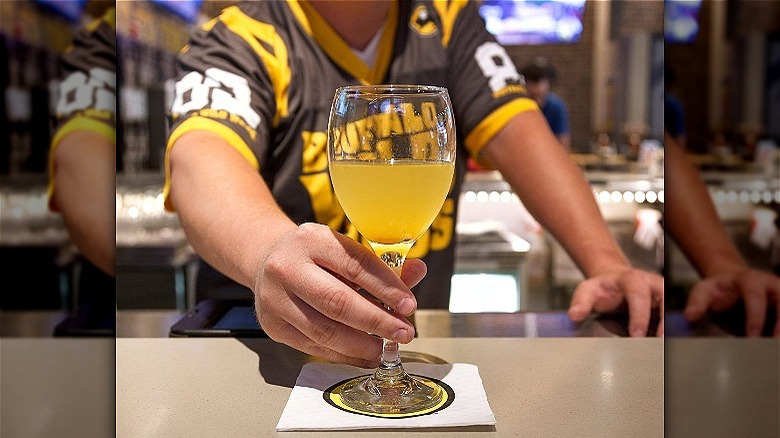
332	396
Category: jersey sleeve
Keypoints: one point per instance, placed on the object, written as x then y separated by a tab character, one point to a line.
86	92
484	84
229	78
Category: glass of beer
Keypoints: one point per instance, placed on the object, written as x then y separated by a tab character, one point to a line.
391	157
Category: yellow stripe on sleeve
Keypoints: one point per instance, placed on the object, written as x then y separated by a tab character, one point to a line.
495	121
80	123
203	124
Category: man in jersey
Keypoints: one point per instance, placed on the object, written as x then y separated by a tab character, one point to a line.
82	163
247	167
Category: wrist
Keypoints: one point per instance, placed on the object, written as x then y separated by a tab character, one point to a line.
606	262
721	263
273	243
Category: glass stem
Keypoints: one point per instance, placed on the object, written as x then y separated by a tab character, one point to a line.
391	357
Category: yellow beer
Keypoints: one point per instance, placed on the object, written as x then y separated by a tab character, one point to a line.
393	201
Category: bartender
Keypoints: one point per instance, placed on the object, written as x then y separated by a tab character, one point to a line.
246	167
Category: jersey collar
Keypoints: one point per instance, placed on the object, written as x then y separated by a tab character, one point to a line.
338	50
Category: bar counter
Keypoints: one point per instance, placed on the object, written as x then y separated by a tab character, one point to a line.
543	375
536	387
593	382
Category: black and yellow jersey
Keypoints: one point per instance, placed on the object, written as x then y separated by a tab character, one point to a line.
86	93
263	74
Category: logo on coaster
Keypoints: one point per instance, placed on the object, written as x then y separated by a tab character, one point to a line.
332	396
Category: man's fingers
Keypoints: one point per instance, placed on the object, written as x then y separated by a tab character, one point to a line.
643	293
582	302
413	272
331	334
289	335
639	308
658	293
698	302
358	265
755	299
776	295
330	299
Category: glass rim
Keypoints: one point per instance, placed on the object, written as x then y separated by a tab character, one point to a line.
392	89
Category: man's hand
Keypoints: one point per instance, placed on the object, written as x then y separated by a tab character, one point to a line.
307	296
641	290
306	278
757	289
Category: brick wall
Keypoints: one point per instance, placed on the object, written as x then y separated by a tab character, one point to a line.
753	16
690	64
632	16
574	61
574	64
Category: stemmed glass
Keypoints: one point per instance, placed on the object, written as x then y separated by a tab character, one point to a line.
391	157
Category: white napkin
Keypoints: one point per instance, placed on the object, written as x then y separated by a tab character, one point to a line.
648	229
307	410
763	229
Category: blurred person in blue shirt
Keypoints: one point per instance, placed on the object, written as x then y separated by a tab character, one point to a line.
674	113
539	76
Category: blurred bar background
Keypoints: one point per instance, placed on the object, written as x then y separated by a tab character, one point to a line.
611	77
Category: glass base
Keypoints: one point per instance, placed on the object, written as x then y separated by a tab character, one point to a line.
391	391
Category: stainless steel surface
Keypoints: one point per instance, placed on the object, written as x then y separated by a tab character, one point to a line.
441	323
429	323
30	324
145	323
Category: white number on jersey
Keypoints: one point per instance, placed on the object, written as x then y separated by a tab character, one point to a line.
80	91
496	65
218	90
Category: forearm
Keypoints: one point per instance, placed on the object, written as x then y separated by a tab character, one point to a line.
555	192
691	218
85	187
224	206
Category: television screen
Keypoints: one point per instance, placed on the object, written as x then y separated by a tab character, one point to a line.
186	9
533	21
69	9
681	20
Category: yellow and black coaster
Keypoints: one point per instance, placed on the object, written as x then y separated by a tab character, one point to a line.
332	396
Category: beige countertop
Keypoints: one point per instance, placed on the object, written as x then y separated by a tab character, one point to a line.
57	387
570	387
589	387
